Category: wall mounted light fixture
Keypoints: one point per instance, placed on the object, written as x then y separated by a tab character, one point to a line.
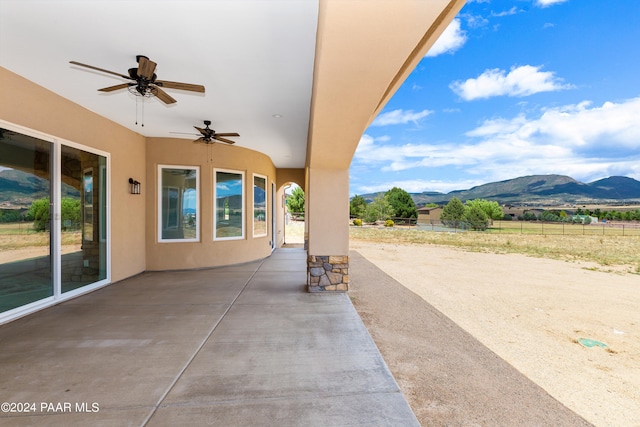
134	186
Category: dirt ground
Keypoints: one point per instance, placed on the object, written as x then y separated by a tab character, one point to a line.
531	312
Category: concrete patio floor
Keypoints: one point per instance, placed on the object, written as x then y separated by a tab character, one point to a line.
243	345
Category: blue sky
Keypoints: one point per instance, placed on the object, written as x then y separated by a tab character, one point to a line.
513	88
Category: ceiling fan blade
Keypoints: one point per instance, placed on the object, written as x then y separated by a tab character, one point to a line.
181	86
162	95
100	69
116	87
228	134
184	133
202	131
218	138
146	67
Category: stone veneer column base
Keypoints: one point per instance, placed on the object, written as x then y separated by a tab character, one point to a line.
328	273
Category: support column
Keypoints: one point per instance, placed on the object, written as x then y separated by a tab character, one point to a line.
327	216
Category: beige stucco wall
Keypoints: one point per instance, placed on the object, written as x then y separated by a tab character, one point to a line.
206	252
26	104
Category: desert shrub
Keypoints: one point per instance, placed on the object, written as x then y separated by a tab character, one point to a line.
389	223
357	222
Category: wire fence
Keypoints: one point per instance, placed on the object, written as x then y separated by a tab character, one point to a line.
549	228
544	228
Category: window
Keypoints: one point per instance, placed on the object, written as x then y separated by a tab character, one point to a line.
229	205
259	206
178	204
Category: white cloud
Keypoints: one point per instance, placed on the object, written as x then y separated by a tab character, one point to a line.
397	117
613	124
452	39
583	141
520	81
547	3
509	12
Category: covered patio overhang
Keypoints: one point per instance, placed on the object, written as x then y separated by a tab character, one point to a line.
299	81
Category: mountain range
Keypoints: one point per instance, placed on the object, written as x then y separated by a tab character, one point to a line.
540	189
18	189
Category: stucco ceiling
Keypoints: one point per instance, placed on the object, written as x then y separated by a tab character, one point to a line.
254	57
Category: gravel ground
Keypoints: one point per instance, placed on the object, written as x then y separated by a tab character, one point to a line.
478	339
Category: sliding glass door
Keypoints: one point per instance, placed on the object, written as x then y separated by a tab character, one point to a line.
53	220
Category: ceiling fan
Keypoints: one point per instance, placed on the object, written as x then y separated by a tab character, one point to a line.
210	136
144	81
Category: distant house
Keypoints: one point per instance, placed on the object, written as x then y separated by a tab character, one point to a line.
513	212
519	212
429	215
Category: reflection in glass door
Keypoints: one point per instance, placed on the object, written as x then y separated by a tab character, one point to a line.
82	214
53	221
25	220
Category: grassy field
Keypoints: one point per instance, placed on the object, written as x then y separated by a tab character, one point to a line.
622	252
22	235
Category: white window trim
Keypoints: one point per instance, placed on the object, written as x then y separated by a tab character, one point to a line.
266	205
159	206
215	196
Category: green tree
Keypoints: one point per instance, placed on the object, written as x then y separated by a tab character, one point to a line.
10	215
378	210
491	209
295	202
452	213
476	217
357	206
39	213
70	211
402	203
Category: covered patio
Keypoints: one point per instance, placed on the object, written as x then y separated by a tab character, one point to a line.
229	346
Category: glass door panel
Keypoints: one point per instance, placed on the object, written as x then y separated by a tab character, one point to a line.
25	220
82	209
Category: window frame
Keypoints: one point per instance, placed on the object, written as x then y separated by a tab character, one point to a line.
242	174
266	206
160	205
